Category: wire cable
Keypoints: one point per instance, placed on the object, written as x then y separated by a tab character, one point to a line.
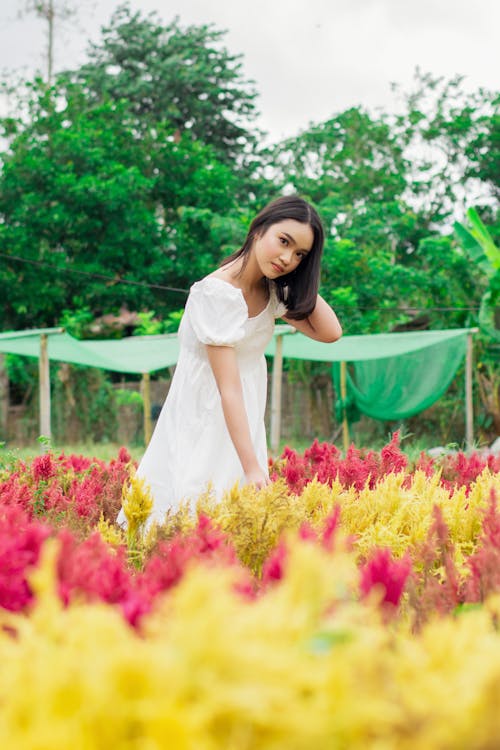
162	287
93	275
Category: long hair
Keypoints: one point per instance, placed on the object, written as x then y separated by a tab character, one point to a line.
297	290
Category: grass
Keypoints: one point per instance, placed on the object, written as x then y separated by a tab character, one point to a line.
107	451
103	451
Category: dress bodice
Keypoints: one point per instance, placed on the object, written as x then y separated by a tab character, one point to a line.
216	313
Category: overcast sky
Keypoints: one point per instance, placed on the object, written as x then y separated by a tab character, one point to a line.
309	58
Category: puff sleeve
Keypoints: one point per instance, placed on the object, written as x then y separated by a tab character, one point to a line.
217	312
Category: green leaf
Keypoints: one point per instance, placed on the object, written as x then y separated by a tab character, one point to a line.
484	238
473	248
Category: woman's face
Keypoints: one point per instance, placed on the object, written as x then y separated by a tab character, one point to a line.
282	247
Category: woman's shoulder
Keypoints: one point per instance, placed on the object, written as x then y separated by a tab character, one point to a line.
216	283
218	294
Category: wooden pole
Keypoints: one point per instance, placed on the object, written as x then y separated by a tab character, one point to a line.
276	395
469	413
44	385
343	396
146	400
4	399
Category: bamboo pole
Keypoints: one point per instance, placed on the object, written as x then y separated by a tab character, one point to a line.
469	413
343	396
276	395
44	385
146	400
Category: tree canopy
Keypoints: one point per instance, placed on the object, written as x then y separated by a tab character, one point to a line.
132	176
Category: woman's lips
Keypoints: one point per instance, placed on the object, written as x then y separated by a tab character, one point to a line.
277	267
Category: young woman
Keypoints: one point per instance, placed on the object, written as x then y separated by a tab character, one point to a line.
211	428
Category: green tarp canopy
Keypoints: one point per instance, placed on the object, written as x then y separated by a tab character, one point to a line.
136	354
391	375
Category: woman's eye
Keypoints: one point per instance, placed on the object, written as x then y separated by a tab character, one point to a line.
284	241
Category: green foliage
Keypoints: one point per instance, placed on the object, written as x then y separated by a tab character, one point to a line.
136	174
84	405
90	205
481	249
120	181
478	243
173	320
148	324
452	137
21	371
126	397
182	76
77	322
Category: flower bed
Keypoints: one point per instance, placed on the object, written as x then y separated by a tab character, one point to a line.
352	603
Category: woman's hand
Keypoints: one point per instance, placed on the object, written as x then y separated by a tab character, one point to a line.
257	477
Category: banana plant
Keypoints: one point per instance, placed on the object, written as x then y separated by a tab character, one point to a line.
481	249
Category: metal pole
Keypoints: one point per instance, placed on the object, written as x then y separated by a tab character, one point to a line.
276	395
146	400
469	414
44	386
343	396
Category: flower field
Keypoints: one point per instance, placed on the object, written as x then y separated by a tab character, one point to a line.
352	603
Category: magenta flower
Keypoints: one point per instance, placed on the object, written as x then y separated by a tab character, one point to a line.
384	570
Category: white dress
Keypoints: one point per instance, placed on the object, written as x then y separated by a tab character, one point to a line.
191	446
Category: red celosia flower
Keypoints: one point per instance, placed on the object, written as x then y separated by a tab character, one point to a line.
382	569
307	533
274	567
21	540
43	467
332	523
392	459
484	564
167	566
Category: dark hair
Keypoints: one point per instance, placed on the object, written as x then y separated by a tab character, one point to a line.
297	290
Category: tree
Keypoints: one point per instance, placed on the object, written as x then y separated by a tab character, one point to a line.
385	265
169	74
451	139
99	214
51	11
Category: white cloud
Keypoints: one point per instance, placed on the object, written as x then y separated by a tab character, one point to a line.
309	59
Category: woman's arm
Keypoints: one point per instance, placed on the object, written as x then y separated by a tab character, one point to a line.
227	376
321	325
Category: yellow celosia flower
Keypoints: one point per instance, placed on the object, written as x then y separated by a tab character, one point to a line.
137	504
304	666
110	533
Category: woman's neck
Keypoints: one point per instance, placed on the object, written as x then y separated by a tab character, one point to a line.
247	276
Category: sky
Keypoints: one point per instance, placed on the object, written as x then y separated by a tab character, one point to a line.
309	59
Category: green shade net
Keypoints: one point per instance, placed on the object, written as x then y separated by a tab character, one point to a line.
399	386
395	375
136	354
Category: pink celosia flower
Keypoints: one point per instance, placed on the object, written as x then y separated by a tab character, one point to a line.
307	533
332	523
20	542
484	564
384	570
43	467
171	559
392	459
274	567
